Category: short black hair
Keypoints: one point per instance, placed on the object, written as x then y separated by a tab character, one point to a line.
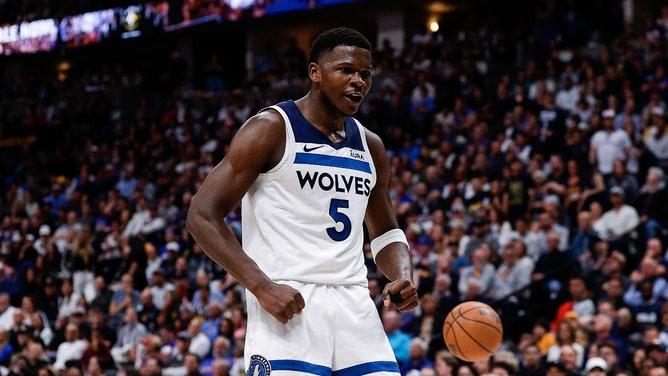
332	38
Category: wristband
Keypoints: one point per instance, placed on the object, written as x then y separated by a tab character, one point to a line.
392	236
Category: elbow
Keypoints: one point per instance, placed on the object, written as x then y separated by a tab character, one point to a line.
192	218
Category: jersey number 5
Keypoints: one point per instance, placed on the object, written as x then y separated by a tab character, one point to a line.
335	207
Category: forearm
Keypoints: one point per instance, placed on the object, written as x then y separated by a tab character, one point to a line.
394	261
220	244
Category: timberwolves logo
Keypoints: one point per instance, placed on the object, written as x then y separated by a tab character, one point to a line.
259	366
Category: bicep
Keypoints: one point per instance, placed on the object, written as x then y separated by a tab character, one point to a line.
253	148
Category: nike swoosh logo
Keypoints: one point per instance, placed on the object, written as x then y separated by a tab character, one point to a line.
308	149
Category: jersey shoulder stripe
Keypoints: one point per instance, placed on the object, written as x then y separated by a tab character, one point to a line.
332	161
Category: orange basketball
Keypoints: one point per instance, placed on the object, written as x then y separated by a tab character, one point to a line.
472	331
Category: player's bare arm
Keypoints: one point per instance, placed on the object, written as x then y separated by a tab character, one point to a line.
394	260
257	147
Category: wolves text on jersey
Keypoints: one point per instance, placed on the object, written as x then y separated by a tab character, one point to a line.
336	182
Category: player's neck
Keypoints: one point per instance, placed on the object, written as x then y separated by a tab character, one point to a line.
331	126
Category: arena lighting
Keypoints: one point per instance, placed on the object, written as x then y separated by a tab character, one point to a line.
433	25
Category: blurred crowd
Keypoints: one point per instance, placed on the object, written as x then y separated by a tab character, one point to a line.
527	173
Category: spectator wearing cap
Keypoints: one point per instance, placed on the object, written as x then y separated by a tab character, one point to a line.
619	222
608	144
621	177
556	368
596	366
480	234
178	352
42	242
48	299
168	264
424	262
159	287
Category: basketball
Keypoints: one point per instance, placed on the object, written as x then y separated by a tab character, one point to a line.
472	331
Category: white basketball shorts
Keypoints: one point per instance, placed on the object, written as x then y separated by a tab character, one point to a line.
338	333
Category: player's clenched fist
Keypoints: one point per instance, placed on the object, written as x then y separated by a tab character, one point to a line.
281	301
402	293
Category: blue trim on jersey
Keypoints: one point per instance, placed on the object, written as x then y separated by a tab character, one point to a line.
332	161
306	132
299	366
366	368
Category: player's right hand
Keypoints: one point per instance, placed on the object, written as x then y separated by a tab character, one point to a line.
281	301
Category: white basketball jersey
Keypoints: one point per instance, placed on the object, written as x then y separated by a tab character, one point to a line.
302	220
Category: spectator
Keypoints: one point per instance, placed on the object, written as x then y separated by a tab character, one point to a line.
399	340
648	204
129	336
159	287
596	367
417	356
72	349
475	281
608	144
123	298
566	336
648	271
200	344
618	223
579	303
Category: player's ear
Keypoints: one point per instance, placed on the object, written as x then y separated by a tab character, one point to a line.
314	72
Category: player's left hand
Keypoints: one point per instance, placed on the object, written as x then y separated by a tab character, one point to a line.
402	293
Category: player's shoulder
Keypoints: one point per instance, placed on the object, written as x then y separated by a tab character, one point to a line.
267	122
373	140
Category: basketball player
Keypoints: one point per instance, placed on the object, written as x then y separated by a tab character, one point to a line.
308	176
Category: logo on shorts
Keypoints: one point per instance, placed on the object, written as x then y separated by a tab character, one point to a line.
259	366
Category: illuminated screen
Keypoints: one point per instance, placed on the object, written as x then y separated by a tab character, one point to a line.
28	37
185	13
88	28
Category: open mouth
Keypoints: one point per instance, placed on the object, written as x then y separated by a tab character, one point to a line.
355	97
